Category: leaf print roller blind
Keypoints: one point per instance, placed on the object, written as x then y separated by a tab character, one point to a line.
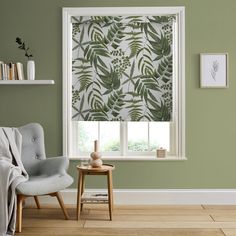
122	68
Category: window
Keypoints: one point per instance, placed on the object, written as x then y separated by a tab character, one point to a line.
120	138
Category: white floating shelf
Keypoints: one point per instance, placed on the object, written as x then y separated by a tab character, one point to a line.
25	82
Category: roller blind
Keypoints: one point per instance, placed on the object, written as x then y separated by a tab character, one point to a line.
122	68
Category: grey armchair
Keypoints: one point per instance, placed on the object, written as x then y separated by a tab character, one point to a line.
47	176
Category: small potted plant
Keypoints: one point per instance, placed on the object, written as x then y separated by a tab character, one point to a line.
30	63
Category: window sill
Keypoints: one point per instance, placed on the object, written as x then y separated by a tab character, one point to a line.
135	158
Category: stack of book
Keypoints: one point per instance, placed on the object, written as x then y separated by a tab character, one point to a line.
94	197
11	71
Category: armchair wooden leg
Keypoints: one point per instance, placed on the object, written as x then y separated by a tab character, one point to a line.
60	200
20	200
36	199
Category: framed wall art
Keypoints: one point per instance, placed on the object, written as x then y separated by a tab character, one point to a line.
214	70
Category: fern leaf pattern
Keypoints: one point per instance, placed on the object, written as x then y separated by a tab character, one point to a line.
122	68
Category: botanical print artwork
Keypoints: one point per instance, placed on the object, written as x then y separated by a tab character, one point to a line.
122	68
214	69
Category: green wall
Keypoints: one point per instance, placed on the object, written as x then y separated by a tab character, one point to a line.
210	113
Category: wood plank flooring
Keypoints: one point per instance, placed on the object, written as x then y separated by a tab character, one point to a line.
200	220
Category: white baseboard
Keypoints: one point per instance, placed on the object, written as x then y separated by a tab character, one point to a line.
155	197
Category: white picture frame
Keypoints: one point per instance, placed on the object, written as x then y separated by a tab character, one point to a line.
214	70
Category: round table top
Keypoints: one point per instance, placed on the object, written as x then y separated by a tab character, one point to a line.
103	168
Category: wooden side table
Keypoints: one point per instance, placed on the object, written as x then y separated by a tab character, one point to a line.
105	169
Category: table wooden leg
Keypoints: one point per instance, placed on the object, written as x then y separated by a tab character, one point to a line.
82	191
80	180
110	198
111	184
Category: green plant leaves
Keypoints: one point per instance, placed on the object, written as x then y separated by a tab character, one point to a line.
165	69
160	113
22	46
160	47
122	68
83	72
110	80
115	103
93	51
95	32
115	34
145	62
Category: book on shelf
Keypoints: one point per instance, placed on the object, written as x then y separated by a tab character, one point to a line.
1	72
11	71
6	72
20	71
15	72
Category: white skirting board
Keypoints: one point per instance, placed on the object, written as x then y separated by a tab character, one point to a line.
154	196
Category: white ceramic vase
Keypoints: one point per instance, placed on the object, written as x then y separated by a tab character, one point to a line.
30	70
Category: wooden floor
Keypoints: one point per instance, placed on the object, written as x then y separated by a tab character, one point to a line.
132	221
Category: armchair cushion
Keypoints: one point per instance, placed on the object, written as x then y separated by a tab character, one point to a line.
43	184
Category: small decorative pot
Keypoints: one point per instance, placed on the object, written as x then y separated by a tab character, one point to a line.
96	160
161	152
96	163
95	155
30	70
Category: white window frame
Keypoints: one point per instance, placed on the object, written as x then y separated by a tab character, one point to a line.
178	83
